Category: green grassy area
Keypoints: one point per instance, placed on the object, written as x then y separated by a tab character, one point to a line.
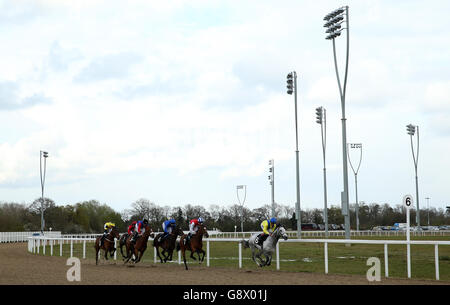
309	257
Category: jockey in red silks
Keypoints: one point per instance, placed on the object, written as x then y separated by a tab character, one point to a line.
138	228
131	227
193	227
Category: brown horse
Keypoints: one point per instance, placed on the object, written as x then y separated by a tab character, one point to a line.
122	242
195	245
168	244
108	244
138	248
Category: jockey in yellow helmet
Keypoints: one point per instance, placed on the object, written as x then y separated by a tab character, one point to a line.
268	226
107	228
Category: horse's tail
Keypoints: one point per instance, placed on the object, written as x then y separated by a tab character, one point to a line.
178	246
245	243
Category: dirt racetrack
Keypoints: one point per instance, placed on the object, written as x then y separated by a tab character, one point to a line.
18	266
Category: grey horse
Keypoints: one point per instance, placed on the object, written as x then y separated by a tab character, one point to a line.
268	247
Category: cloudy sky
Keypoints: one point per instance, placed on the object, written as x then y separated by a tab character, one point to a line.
180	101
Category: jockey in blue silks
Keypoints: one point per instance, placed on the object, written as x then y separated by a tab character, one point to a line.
168	227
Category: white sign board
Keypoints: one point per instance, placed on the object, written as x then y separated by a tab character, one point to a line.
407	201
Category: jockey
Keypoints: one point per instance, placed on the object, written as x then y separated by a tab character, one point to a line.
193	227
138	228
268	226
107	228
131	228
168	227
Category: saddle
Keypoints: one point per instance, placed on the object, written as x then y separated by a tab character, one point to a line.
260	239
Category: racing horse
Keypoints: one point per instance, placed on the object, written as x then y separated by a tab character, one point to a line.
267	248
108	244
123	241
168	244
194	245
138	248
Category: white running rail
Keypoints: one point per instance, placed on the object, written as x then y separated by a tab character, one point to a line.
14	237
36	243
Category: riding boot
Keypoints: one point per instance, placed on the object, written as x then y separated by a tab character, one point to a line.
188	239
261	240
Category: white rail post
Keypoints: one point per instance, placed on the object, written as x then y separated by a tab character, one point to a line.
39	245
51	247
179	257
240	255
408	258
207	253
408	202
60	247
278	256
326	257
84	248
154	255
386	264
71	247
436	260
44	241
115	246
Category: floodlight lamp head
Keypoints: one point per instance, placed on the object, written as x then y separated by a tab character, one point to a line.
319	115
411	129
337	19
327	17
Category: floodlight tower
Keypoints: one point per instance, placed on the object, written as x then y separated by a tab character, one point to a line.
42	155
334	22
428	208
292	88
321	119
411	130
272	184
355	172
241	187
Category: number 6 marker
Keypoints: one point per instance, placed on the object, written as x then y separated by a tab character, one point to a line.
408	201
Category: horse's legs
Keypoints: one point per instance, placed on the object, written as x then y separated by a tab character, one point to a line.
157	252
257	255
203	256
166	254
106	252
192	253
183	252
139	256
96	253
136	255
268	259
253	255
121	250
126	259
